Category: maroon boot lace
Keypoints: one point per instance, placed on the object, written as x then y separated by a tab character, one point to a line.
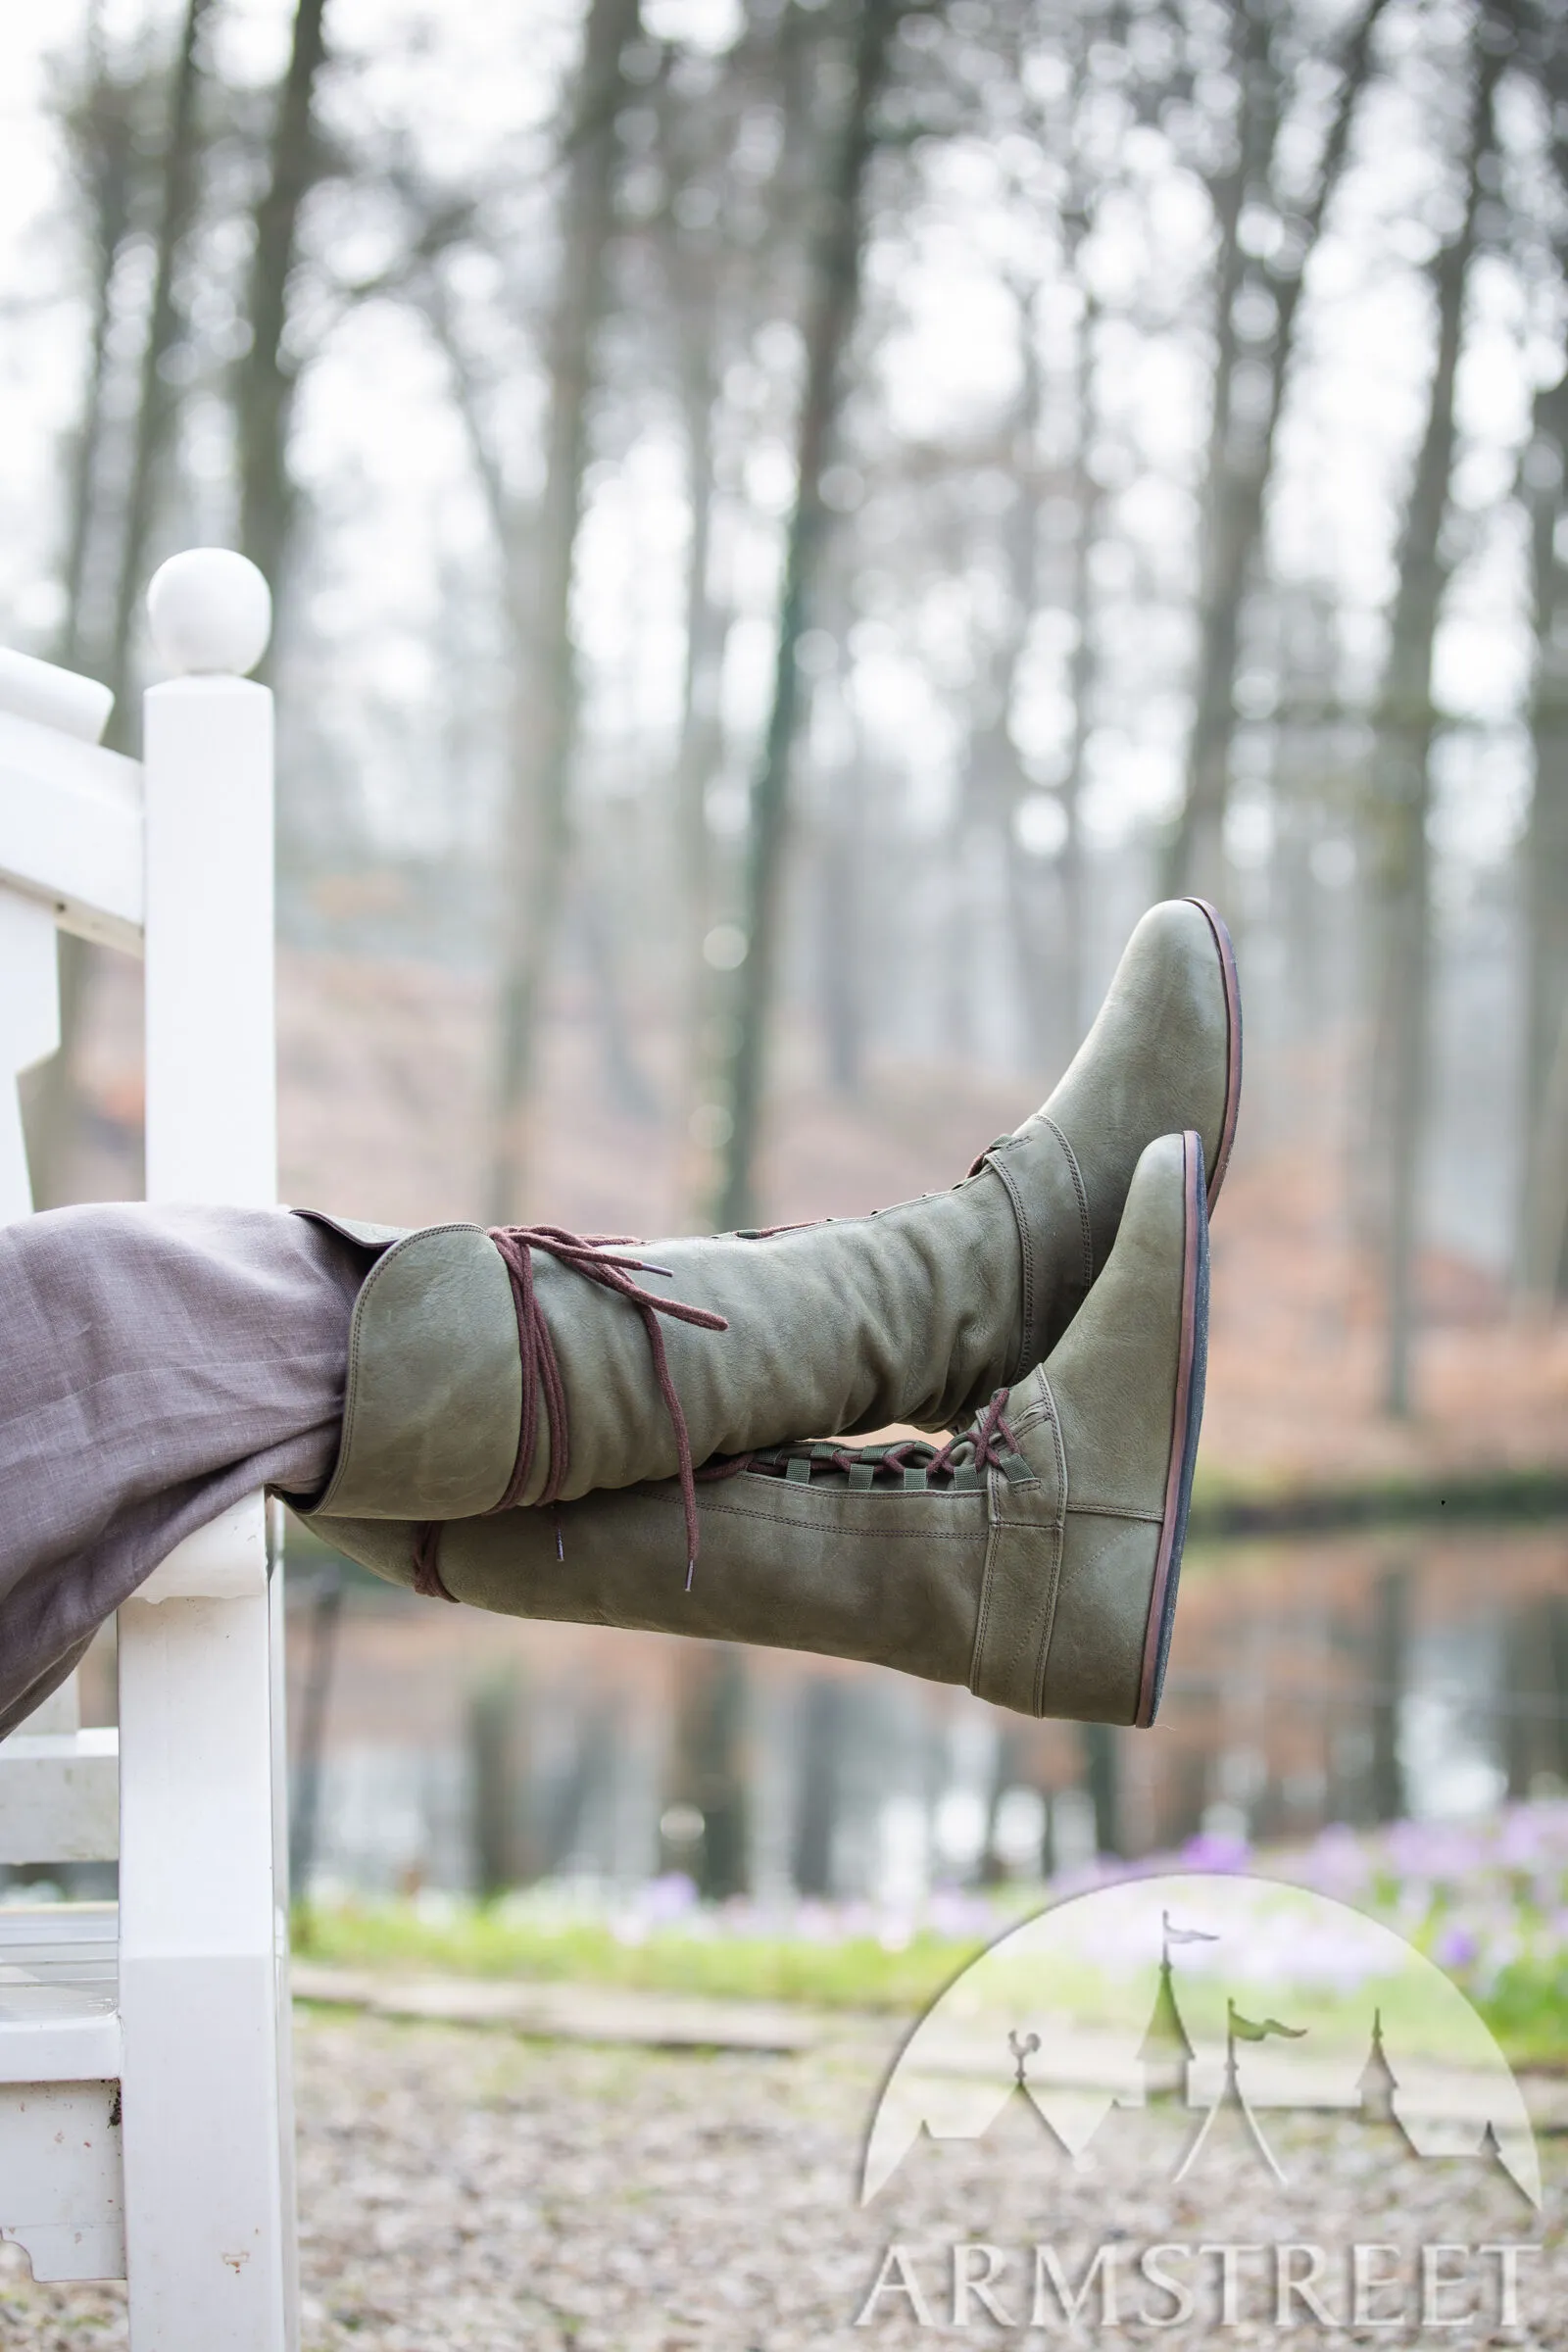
989	1436
585	1255
987	1440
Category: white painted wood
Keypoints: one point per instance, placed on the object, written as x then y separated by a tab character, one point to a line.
61	1711
61	2176
212	1134
60	1796
53	698
71	831
207	2238
210	612
288	2137
83	2048
71	853
57	1960
29	1031
225	1560
60	2194
60	2163
208	2216
69	850
189	2011
75	1800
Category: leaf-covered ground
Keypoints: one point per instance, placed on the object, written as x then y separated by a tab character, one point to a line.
463	2189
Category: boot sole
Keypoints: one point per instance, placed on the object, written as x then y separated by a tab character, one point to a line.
1186	1420
1232	1043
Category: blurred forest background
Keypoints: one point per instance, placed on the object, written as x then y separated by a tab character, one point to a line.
791	522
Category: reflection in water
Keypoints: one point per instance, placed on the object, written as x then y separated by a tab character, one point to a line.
1356	1678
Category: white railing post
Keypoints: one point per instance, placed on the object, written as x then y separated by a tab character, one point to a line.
202	1930
29	983
29	1031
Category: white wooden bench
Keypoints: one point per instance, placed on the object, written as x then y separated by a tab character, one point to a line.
146	2123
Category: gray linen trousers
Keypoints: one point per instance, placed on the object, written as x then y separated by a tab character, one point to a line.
155	1365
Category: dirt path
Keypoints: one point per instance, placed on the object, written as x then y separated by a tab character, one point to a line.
463	2189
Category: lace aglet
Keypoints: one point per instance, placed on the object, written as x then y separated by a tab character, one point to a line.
561	1545
691	1571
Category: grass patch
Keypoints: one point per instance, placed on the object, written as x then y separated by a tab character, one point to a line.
1486	1900
848	1972
1527	2009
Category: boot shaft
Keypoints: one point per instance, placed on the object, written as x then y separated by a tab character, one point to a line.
1033	1562
915	1314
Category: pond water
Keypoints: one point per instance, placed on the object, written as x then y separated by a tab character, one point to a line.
1352	1677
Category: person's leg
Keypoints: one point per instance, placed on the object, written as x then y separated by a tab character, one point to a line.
160	1363
491	1371
1034	1559
157	1364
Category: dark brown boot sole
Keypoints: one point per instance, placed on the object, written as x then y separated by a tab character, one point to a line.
1233	1059
1188	1411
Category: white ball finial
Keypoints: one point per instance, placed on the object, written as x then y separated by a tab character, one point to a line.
210	610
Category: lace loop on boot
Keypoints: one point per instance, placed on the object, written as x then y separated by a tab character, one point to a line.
586	1254
988	1443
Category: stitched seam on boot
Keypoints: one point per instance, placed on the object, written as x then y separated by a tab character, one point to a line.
1023	1363
1114	1511
1059	1545
881	1534
995	1490
1025	1423
994	1534
1085	1223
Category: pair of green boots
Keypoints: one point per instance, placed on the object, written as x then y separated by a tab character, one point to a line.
553	1428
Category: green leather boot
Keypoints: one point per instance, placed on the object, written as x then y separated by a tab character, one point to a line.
1034	1558
526	1367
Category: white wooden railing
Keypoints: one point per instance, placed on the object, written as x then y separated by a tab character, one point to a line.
146	2127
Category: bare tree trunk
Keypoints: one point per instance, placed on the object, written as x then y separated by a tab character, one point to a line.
839	861
997	782
102	138
841	942
545	721
1401	785
52	1096
1006	1767
264	389
1219	620
305	1812
1542	1250
835	284
1082	670
700	744
157	398
498	1772
1242	454
1101	1779
822	1739
709	1765
626	1082
1387	1672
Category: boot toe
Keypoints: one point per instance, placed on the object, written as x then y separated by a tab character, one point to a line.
1164	1056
